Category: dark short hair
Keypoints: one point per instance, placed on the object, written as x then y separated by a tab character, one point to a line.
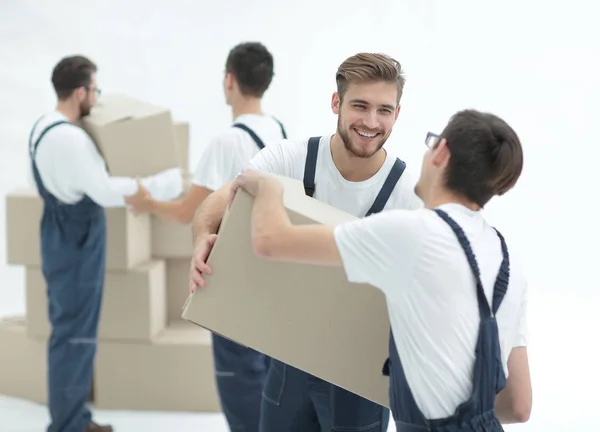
71	73
252	66
369	67
486	157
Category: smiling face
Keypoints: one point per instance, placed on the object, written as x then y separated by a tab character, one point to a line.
366	116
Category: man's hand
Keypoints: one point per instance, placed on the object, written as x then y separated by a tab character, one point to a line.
141	201
198	266
251	181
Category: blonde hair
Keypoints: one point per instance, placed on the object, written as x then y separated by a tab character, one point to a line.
369	67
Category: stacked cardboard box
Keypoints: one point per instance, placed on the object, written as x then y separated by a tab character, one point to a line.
148	357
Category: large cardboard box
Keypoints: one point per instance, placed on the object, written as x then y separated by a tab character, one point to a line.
23	363
173	373
307	316
135	137
133	307
128	236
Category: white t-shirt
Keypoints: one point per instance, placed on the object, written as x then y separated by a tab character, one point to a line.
415	259
70	167
228	153
287	158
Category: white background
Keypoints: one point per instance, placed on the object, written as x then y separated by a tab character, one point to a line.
534	63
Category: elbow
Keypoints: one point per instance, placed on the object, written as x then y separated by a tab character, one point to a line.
263	245
522	412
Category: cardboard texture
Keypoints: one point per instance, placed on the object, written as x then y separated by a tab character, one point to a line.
174	373
171	239
22	362
128	239
307	316
136	138
178	271
133	303
182	137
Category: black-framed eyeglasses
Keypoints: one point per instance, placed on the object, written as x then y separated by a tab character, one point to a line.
432	139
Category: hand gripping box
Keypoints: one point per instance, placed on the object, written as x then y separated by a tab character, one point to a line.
307	316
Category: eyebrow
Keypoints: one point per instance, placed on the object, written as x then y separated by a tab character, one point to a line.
390	107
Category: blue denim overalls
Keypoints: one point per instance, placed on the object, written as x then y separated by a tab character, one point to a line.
73	250
296	401
477	413
240	371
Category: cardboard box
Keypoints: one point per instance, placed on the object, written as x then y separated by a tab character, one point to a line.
136	138
133	308
307	316
178	271
182	137
23	364
173	373
128	236
171	239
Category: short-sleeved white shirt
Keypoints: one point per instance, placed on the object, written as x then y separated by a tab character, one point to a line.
288	158
228	152
415	259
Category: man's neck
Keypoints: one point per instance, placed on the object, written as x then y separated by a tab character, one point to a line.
71	113
447	197
246	106
354	168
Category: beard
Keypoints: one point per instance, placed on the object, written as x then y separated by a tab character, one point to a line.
355	149
85	108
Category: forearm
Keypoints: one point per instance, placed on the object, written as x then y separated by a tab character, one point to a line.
209	214
275	237
109	192
169	210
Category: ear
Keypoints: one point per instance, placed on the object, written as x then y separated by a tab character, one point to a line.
81	93
440	155
397	112
229	81
335	103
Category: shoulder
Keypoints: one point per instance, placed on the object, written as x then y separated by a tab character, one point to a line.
62	135
284	157
228	138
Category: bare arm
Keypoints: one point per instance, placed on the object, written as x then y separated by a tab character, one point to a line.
181	210
513	404
274	236
208	216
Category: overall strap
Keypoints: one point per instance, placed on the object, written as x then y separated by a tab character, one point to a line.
282	128
388	187
501	284
310	166
255	137
33	146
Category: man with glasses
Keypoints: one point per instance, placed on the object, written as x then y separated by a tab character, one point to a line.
72	180
456	298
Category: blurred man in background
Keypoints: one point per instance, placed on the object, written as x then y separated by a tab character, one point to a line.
72	180
240	371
